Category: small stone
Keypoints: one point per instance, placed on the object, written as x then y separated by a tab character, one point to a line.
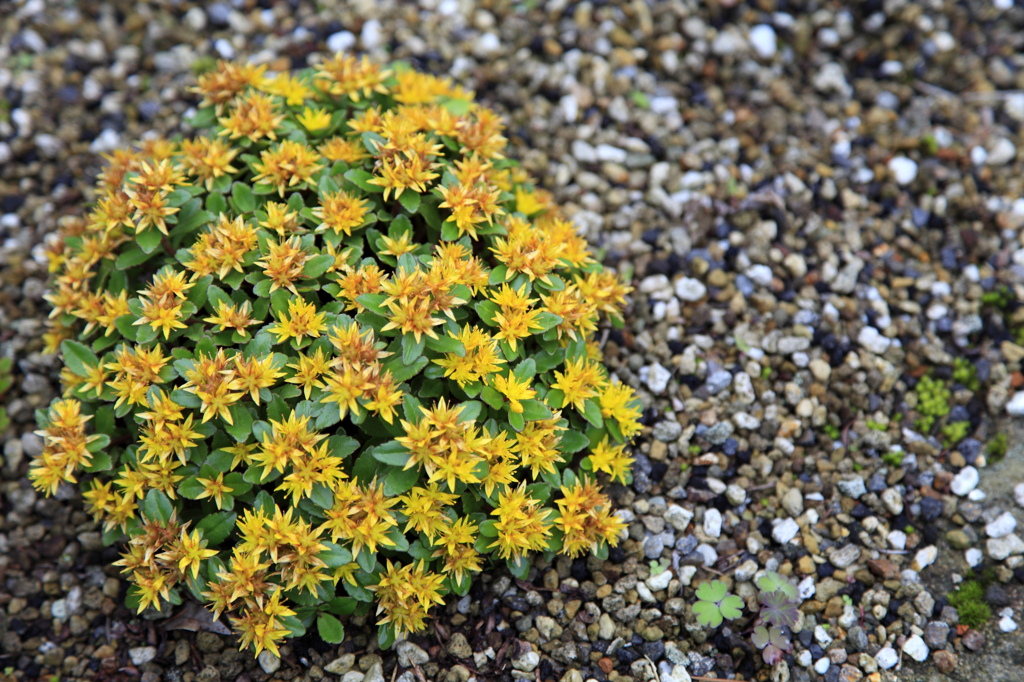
654	546
763	41
690	290
527	662
667	431
925	557
141	655
916	648
872	340
718	381
657	378
268	662
1002	526
659	581
1015	407
965	481
785	530
887	658
936	634
678	517
793	502
1018	493
736	495
893	501
713	522
945	661
904	170
822	665
1001	548
844	557
852	487
343	41
1007	624
605	627
459	647
409	654
958	539
973	640
341	665
974	557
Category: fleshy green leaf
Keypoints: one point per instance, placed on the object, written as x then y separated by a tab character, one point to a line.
330	629
217	527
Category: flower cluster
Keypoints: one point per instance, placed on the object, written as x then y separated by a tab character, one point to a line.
333	356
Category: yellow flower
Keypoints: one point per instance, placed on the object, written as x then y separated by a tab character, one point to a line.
515	390
286	165
579	382
611	459
302	319
214	488
192	549
314	119
294	91
522	525
341	212
230	316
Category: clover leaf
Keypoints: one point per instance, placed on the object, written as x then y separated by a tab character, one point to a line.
714	603
779	609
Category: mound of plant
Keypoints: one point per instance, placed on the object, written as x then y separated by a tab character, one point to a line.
334	354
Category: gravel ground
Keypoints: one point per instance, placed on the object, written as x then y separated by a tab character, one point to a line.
821	210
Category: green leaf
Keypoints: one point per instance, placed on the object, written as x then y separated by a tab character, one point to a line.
148	240
517	421
157	506
410	201
592	413
573	442
131	257
446	344
317	265
411	349
399	481
534	410
360	179
321	496
330	629
392	453
492	398
526	369
731	607
78	357
100	461
243	198
342	446
191	488
471	410
707	614
342	606
242	426
335	556
217	527
713	591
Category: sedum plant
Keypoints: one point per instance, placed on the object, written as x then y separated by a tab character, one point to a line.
333	355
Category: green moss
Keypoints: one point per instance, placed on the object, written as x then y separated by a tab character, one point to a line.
996	448
877	426
832	431
894	458
955	432
932	402
969	601
965	374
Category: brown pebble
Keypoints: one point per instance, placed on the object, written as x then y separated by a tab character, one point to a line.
606	664
945	661
974	640
884	569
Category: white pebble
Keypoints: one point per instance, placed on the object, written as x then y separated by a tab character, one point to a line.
903	170
690	289
872	340
342	41
1007	624
1015	408
887	658
965	481
1018	493
822	665
974	557
762	39
916	648
1002	526
713	522
926	556
785	530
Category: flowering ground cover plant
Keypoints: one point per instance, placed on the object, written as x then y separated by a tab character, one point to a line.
336	352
